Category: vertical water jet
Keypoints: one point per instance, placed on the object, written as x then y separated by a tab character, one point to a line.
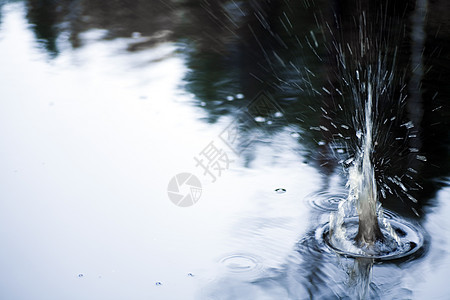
366	190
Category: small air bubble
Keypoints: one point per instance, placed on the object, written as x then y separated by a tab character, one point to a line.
412	170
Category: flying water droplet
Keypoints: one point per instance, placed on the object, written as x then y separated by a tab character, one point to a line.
359	134
260	119
136	35
408	125
295	134
80	275
278	114
239	96
421	157
230	98
158	283
280	191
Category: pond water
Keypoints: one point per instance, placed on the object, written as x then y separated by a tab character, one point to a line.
111	114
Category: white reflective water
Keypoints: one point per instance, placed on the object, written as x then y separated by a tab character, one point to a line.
89	143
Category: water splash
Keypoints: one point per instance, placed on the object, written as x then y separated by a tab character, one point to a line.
363	197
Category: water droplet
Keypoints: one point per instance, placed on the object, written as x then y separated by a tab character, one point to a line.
321	143
295	134
158	283
230	98
280	191
348	161
408	125
278	114
269	122
421	157
239	96
359	134
340	151
190	275
202	104
80	275
260	119
136	35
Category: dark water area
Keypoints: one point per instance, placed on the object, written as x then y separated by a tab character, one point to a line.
103	103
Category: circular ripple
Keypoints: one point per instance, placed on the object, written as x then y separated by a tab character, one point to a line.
325	201
410	240
239	263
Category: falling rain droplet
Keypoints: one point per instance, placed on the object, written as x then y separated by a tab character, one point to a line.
280	191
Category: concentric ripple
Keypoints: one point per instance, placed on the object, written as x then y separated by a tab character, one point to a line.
239	263
325	201
409	241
